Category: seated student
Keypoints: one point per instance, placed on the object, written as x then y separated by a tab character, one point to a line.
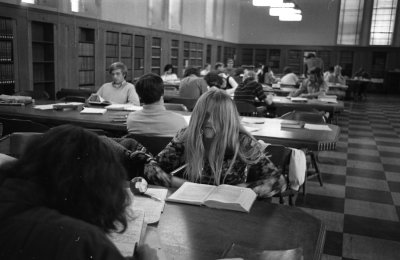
214	79
289	78
311	62
230	81
192	86
334	75
61	198
154	119
205	70
168	75
266	76
217	150
313	86
119	91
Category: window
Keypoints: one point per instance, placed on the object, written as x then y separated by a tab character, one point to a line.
351	12
174	15
382	25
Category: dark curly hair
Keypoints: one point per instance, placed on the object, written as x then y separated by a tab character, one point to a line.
213	79
191	71
150	88
79	175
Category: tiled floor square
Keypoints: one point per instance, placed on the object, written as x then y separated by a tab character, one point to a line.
396	198
361	140
367	183
321	202
388	143
393	176
328	189
389	230
370	210
363	157
379	175
333	243
363	152
365	165
394	139
331	178
362	146
333	169
391	160
389	154
394	186
332	220
362	247
388	149
369	195
391	168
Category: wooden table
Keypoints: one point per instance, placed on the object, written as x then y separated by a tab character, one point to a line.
316	140
269	131
193	232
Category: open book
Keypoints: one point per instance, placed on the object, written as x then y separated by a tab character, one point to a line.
292	124
133	234
221	197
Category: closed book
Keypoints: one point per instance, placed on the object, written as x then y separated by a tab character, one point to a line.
292	124
221	197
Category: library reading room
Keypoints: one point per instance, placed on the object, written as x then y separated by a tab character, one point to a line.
200	129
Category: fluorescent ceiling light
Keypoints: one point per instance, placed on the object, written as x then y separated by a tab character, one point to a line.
291	17
267	2
28	1
75	5
277	11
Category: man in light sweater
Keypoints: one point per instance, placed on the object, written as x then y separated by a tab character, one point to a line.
154	119
119	91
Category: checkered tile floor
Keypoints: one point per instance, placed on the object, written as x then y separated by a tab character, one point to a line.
360	200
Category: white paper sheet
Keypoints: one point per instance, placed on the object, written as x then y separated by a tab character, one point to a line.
317	127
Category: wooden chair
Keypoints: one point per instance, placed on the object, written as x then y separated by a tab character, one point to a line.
153	144
35	94
188	102
21	125
176	107
311	118
245	108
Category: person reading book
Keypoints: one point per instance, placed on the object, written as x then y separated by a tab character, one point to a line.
312	87
61	198
217	150
118	91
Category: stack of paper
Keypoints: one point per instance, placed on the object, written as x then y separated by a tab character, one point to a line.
123	107
91	110
298	99
328	98
152	203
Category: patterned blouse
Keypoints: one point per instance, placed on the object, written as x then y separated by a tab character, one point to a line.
263	177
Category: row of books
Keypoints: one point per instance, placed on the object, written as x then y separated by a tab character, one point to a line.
112	38
6	82
6	72
126	39
43	73
86	77
86	49
126	51
6	51
111	50
86	63
42	52
6	30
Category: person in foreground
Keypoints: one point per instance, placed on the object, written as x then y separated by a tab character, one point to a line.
119	91
154	119
61	198
217	150
312	87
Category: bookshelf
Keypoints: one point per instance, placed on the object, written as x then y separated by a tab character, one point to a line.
196	54
274	60
126	54
186	51
295	61
175	55
156	55
326	58
138	67
43	57
86	57
346	62
247	57
208	53
229	53
261	56
7	80
112	50
378	64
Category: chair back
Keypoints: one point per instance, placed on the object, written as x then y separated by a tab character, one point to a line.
246	108
35	94
188	102
21	125
153	144
176	107
73	99
70	92
307	117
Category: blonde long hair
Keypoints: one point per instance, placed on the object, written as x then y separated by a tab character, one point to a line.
217	107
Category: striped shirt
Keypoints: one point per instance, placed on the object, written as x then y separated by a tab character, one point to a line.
249	92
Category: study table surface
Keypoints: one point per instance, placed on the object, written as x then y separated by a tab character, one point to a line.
269	131
194	232
310	103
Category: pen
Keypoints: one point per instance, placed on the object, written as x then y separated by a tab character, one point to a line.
178	169
151	197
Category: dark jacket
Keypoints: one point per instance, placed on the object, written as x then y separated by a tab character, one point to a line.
29	230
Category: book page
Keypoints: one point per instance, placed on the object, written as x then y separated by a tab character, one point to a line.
91	110
192	193
231	197
226	194
317	127
125	242
151	207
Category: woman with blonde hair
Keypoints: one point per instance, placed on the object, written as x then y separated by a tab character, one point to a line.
216	149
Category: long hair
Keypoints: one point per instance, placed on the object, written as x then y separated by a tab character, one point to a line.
318	75
217	107
79	175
